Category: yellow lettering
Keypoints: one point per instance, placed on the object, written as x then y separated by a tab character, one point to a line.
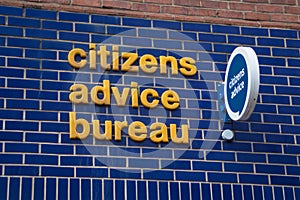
170	100
79	93
184	131
105	90
118	129
144	96
73	123
107	135
127	66
115	58
188	64
103	57
134	95
137	131
163	64
160	135
92	55
71	58
148	63
120	99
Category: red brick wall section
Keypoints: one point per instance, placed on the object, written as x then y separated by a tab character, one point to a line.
259	13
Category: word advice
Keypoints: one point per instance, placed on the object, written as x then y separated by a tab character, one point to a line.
133	95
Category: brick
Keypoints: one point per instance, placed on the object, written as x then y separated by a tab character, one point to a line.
42	54
250	178
222	177
57	171
143	42
17	21
174	10
11	158
242	6
286	2
168	2
283	33
285	180
56	149
36	137
149	8
269	169
201	12
251	157
89	28
67	26
271	61
69	16
92	3
187	26
269	8
9	51
270	148
74	36
25	104
37	33
41	159
159	175
189	176
136	22
43	14
229	14
11	114
257	16
7	10
214	4
241	40
116	4
277	118
19	42
235	167
225	29
168	44
106	19
152	33
292	10
275	99
54	127
270	42
255	31
21	125
293	170
284	18
167	24
22	170
212	37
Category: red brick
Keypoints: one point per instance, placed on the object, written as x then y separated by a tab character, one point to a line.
166	2
95	3
174	10
56	1
285	2
269	8
257	16
256	1
201	12
146	7
116	4
214	4
159	16
292	10
242	6
187	3
285	18
229	14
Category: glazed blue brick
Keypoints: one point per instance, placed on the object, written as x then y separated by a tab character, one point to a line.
42	54
226	156
207	166
182	35
241	40
19	83
89	28
163	188
3	182
91	172
169	82
266	70
158	175
49	64
168	164
37	33
227	192
136	22
285	52
286	71
25	104
189	176
224	48
288	193
56	45
167	24
21	125
206	192
41	94
236	167
36	137
69	16
295	100
287	110
273	80
289	149
43	14
39	188
175	190
9	51
143	163
105	19
283	33
2	20
114	30
63	188
152	33
265	108
11	158
51	188
293	43
200	144
277	118
119	189
41	159
137	41
295	81
26	188
51	85
57	171
255	31
222	177
69	76
26	63
262	51
270	42
108	189
185	190
214	57
278	192
187	26
40	74
251	157
141	187
14	188
238	146
253	179
216	191
126	174
57	25
131	189
11	92
212	37
74	36
22	170
74	186
124	152
293	170
56	149
225	29
269	169
152	186
280	138
11	31
7	10
285	180
106	39
76	160
258	194
97	188
265	128
26	22
287	90
85	189
11	114
282	159
270	148
19	42
91	150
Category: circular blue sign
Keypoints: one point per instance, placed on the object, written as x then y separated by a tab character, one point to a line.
241	83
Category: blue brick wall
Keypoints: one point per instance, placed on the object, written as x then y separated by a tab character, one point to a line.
36	152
